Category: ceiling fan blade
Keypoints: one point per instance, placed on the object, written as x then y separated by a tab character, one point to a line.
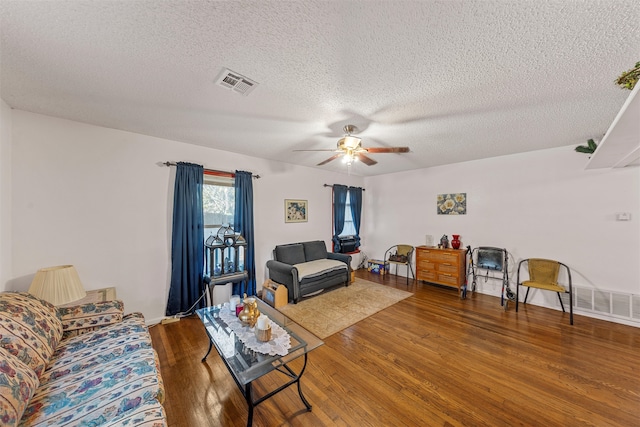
388	149
366	160
329	159
327	149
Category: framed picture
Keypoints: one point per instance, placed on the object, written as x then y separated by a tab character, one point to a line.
296	210
452	204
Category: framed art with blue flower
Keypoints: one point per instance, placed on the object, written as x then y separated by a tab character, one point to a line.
452	204
295	210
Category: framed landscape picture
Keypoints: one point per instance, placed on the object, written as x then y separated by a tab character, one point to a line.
296	210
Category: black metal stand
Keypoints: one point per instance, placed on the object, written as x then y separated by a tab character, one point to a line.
246	389
295	379
470	272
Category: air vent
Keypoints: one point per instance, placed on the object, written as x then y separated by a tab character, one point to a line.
604	302
235	81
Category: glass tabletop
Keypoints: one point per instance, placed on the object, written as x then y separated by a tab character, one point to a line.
247	365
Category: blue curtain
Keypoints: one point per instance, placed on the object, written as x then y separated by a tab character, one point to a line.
187	241
339	206
243	223
355	200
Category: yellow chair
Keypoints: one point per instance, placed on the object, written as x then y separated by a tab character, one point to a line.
399	255
543	274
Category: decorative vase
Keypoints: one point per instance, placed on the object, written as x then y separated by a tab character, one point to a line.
455	242
444	241
249	314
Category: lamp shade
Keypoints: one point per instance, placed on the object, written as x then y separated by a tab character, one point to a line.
58	285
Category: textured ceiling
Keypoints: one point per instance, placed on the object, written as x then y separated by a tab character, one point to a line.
453	80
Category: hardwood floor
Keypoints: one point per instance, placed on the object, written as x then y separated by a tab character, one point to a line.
429	360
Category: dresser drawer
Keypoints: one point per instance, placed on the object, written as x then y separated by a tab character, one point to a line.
434	254
448	279
449	257
449	268
427	276
440	256
425	264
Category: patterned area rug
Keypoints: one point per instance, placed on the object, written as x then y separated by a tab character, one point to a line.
337	309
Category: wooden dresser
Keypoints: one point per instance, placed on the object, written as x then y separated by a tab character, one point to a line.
441	266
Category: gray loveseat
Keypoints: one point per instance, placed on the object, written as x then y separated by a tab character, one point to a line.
307	267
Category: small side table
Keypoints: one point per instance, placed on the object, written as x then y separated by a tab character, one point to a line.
93	296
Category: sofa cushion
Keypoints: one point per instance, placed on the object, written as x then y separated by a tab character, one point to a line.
318	267
30	328
18	383
145	415
84	318
290	254
315	250
99	376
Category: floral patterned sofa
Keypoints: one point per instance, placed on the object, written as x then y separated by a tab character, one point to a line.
80	366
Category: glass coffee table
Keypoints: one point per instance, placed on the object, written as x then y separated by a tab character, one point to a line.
246	365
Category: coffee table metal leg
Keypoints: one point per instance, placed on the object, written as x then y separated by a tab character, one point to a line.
208	351
296	379
247	396
304	400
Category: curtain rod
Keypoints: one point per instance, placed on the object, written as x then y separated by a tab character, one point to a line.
329	185
211	170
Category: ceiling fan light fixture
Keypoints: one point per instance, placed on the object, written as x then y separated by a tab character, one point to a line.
349	142
349	158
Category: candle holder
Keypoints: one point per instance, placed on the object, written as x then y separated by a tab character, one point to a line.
263	335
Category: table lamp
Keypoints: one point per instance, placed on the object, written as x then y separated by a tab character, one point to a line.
57	285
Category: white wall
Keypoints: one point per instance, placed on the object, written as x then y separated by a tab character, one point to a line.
538	204
5	193
97	198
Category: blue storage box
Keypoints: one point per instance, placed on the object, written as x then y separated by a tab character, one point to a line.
376	266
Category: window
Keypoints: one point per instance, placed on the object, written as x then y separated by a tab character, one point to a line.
218	202
344	198
349	229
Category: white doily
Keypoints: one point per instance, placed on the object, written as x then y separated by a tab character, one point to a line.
279	344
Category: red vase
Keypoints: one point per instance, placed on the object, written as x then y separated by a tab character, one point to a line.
455	242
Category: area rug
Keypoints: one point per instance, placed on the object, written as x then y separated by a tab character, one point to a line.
337	309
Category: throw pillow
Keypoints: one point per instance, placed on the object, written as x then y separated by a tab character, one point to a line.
315	250
18	383
30	328
290	254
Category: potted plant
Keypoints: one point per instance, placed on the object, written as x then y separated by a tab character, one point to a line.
629	78
589	148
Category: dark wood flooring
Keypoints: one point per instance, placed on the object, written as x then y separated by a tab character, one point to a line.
429	360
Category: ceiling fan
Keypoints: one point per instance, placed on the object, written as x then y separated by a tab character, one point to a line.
351	148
